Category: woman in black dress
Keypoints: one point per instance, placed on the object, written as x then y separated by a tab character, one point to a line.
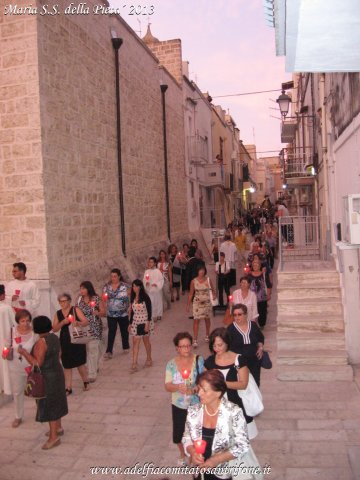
45	354
234	369
72	355
246	338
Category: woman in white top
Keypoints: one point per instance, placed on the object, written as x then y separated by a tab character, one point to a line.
22	335
246	297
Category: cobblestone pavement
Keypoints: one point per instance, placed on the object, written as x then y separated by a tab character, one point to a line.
307	430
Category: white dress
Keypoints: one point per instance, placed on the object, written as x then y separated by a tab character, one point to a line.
153	282
250	301
27	291
7	321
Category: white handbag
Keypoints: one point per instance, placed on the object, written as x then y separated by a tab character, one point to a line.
214	301
247	467
251	397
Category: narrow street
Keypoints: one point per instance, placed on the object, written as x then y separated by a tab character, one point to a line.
308	430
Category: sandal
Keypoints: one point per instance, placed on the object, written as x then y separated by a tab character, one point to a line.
52	444
68	391
134	368
16	422
148	363
195	344
59	433
207	339
86	386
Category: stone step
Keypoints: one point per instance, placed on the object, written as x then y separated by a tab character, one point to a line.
319	306
316	341
315	373
290	291
302	357
300	324
307	278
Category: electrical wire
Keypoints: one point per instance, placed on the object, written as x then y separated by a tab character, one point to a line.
241	94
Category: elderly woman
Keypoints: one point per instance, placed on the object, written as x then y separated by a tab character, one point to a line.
245	296
199	295
46	354
182	386
221	424
93	308
247	339
22	336
261	286
72	355
234	369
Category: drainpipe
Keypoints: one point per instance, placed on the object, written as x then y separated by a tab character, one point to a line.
163	89
325	158
117	42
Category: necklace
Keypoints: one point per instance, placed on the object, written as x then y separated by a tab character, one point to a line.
211	414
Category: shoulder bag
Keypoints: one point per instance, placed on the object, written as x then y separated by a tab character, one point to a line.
35	384
251	397
80	335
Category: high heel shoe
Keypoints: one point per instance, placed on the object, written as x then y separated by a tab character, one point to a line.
51	444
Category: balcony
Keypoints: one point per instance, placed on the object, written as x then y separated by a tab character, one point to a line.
198	150
210	175
288	130
296	165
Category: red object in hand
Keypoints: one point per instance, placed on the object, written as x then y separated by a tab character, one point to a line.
71	318
28	369
17	292
18	339
200	446
185	374
147	277
105	296
6	351
92	304
230	298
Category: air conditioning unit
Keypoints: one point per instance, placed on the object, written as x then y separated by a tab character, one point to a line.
351	218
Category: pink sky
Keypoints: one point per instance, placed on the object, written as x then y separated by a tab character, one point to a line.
231	50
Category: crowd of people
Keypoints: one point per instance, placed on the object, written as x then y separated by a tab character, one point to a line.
242	268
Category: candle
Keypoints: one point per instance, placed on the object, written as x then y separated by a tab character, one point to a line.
200	446
17	292
6	351
230	298
105	296
28	369
71	318
18	339
147	277
92	304
185	373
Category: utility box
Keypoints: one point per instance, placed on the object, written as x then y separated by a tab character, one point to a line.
351	219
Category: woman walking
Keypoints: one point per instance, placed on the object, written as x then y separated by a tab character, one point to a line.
141	324
199	295
165	268
261	286
176	271
72	355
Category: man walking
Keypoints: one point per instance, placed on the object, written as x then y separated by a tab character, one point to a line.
22	293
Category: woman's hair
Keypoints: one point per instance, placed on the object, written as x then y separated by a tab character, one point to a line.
22	314
42	324
240	306
245	278
215	379
142	293
153	258
117	271
194	241
192	251
171	246
222	333
180	336
66	295
201	267
162	251
89	287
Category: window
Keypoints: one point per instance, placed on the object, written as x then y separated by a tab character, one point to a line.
260	187
192	189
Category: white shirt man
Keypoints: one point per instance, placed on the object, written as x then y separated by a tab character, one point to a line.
21	292
7	321
153	282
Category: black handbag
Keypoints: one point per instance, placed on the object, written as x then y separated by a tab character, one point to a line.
266	360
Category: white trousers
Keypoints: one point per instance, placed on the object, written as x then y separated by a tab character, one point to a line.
93	354
18	384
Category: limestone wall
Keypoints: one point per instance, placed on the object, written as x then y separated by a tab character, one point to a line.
22	218
77	158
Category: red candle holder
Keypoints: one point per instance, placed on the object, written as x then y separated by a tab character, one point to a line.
147	277
230	297
17	292
200	446
71	318
28	369
185	373
105	296
92	304
5	352
18	340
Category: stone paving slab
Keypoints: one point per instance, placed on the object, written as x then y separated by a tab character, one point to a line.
307	430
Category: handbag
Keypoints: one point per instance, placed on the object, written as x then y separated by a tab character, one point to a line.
251	397
214	301
266	360
35	384
80	335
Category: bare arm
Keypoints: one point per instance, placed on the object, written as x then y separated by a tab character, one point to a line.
191	294
39	353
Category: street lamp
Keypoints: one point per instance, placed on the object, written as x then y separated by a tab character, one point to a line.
163	89
116	43
252	189
284	103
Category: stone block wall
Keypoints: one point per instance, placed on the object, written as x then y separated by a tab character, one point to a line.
68	205
22	214
170	56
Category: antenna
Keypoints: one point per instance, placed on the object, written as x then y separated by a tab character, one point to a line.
139	31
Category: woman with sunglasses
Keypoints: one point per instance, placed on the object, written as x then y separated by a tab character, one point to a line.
246	338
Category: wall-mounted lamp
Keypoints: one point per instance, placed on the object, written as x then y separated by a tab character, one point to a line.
252	189
284	103
284	186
